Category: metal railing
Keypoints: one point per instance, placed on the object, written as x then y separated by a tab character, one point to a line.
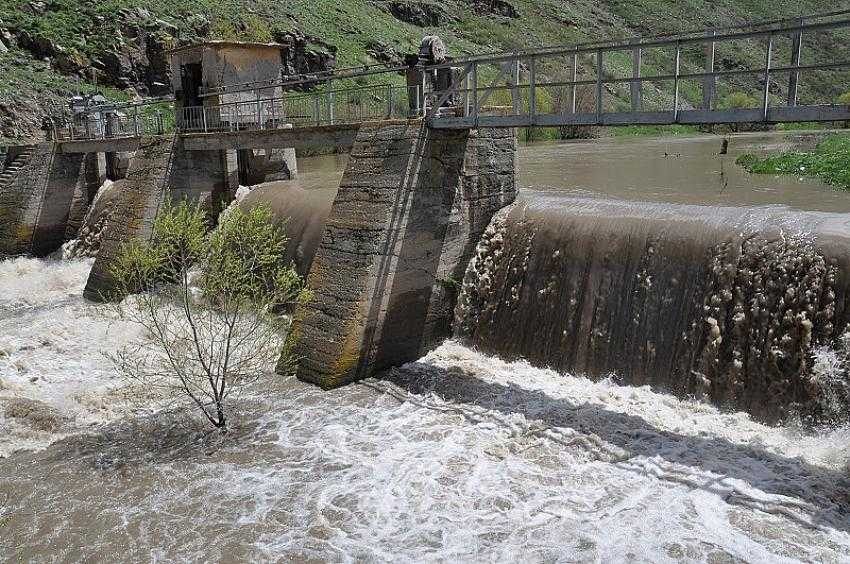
607	83
330	107
686	78
153	117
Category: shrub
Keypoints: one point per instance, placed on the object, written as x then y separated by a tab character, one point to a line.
738	100
210	305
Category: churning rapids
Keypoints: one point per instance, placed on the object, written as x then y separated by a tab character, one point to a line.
457	457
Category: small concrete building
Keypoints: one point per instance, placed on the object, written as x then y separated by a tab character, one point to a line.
237	85
200	69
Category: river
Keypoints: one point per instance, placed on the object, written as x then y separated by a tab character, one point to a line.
457	457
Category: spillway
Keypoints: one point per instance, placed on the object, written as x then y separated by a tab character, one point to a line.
731	305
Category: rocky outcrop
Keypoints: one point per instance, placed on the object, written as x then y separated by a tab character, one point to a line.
494	8
422	14
306	54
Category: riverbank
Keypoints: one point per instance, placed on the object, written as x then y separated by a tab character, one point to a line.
829	161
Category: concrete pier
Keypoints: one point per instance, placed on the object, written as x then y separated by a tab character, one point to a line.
35	200
161	169
410	209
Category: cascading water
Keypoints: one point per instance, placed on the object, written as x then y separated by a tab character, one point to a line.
726	304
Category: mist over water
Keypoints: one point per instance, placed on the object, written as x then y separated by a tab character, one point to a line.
459	457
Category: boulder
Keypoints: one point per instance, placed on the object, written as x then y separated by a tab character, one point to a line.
421	14
494	8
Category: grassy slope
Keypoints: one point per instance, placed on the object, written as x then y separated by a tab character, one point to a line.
90	27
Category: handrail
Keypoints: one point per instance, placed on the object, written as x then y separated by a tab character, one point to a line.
456	93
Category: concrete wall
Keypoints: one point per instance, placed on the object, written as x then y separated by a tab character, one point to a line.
410	209
35	200
161	170
226	63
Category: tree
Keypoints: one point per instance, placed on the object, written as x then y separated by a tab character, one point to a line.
211	305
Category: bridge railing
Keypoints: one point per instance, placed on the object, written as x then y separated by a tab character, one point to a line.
685	79
328	107
114	122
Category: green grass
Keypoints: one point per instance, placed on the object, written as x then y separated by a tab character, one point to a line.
654	130
91	28
829	162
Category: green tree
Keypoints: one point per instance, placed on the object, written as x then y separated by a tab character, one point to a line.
212	306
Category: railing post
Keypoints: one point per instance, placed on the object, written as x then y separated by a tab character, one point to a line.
160	129
474	80
274	114
709	83
574	87
794	79
317	105
515	87
532	91
136	120
259	112
599	67
676	82
389	101
636	84
423	101
467	99
765	106
331	107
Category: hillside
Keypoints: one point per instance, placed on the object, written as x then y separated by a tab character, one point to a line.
52	48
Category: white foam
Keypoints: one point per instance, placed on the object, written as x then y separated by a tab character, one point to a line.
51	344
459	457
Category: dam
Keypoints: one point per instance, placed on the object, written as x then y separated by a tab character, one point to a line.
576	350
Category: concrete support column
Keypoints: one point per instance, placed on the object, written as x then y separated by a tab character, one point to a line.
141	195
94	176
35	199
65	178
410	209
161	170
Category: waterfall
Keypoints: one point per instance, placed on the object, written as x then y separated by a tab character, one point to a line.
733	305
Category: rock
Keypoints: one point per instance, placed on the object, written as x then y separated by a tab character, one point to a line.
40	46
70	61
37	8
383	53
305	54
7	39
494	8
422	14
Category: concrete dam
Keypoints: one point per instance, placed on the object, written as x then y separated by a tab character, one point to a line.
423	240
613	349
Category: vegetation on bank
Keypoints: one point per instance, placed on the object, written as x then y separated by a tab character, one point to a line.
210	305
369	31
829	162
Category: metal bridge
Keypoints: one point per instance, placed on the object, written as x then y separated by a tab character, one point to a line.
680	79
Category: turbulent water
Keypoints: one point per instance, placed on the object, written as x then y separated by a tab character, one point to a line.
458	457
461	456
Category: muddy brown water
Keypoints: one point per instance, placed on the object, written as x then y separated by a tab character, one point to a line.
460	457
